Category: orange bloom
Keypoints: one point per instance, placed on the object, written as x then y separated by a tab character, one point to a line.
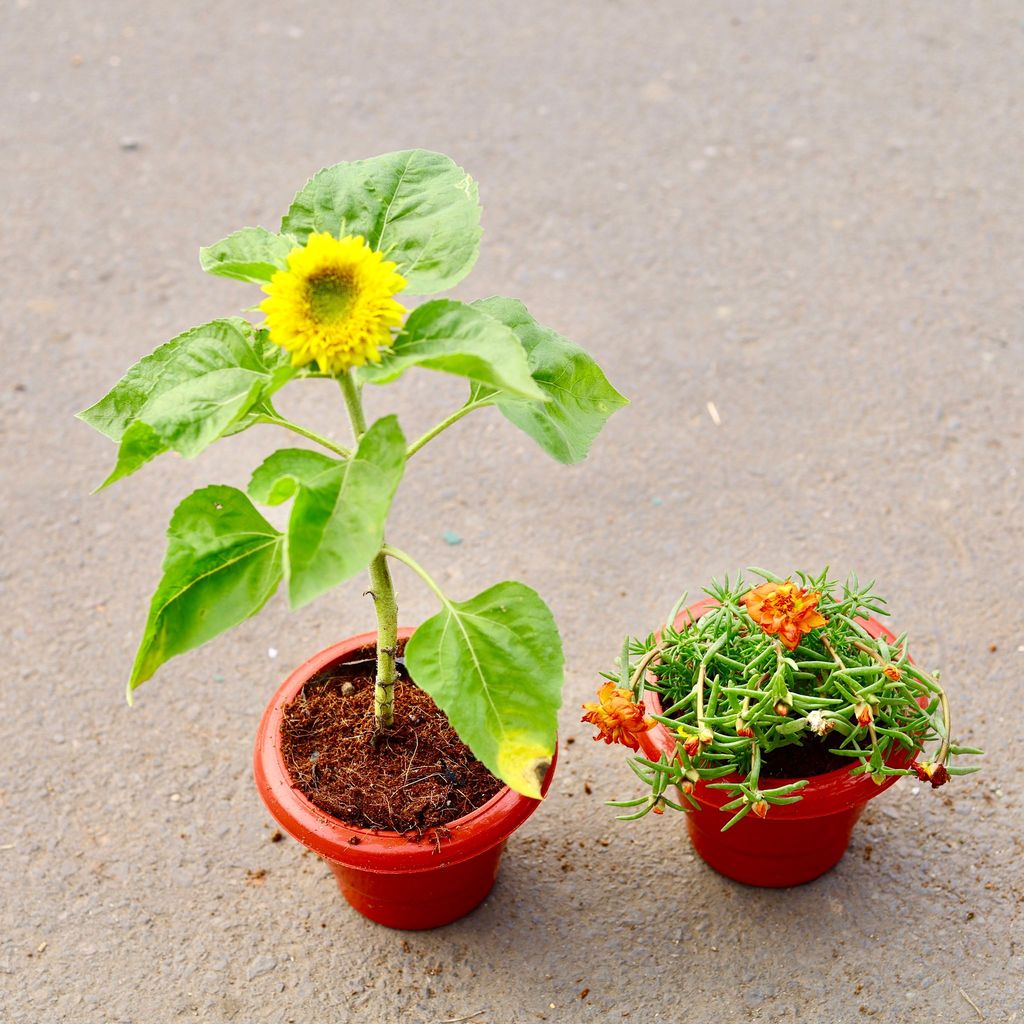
617	717
785	609
864	713
892	672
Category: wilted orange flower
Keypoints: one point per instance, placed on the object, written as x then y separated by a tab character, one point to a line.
931	771
761	808
617	717
743	728
892	672
785	609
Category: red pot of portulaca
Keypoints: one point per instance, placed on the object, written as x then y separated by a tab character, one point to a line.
772	715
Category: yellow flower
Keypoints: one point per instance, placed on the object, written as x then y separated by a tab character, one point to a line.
334	303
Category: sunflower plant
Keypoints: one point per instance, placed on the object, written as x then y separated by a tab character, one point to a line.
357	240
763	670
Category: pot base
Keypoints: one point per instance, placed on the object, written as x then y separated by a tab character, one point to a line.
772	854
426	899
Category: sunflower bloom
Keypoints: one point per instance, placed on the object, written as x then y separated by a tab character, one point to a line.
334	304
784	609
617	717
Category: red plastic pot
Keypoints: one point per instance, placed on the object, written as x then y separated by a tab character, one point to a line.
384	875
796	842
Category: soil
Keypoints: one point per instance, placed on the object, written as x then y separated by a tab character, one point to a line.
417	776
804	761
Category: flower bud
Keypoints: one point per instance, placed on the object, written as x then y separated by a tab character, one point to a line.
782	708
742	729
892	672
761	808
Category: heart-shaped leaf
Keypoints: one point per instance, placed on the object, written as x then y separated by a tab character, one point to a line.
456	338
493	665
250	254
417	207
223	563
581	399
337	522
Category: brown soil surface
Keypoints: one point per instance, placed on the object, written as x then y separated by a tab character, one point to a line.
417	776
805	760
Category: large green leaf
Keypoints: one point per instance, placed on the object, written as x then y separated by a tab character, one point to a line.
250	254
456	338
223	563
337	522
203	384
280	475
581	399
493	665
418	207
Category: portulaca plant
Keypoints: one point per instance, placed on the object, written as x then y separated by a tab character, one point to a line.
355	238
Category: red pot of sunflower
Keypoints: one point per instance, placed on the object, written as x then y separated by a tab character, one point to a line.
770	716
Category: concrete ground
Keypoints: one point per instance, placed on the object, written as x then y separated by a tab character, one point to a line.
790	232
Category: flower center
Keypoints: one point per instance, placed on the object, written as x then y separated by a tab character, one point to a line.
330	295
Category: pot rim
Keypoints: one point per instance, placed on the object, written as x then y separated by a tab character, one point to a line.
824	794
376	850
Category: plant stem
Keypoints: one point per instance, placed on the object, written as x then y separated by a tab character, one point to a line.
444	425
408	560
353	402
312	435
387	642
382	589
642	666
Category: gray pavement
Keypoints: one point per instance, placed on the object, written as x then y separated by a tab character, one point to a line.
808	215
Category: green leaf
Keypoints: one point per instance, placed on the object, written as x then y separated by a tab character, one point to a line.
280	475
201	385
223	563
456	338
251	254
337	522
493	665
418	207
582	400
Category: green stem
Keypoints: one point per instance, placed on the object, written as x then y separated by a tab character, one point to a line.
387	642
382	589
408	560
353	402
312	435
444	425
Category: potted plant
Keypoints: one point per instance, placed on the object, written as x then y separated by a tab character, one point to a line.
404	757
774	713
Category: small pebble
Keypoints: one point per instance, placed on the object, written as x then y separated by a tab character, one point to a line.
451	537
347	689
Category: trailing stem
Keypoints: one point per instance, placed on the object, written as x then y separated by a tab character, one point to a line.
382	590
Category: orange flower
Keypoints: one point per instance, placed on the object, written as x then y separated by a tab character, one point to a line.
785	609
865	715
892	672
743	729
931	771
617	717
761	808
